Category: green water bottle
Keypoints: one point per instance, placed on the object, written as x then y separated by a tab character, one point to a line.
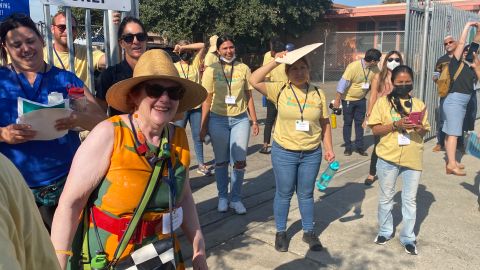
99	262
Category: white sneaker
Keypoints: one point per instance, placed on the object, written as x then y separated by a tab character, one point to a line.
222	205
239	208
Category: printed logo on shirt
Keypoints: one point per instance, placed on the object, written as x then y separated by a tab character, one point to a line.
291	101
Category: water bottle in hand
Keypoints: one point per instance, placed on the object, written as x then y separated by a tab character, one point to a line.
327	175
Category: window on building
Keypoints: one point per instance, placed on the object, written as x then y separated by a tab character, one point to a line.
365	41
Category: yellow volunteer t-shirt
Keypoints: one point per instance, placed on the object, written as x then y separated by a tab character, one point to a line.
25	243
277	74
388	148
210	58
357	75
215	81
190	71
62	61
285	133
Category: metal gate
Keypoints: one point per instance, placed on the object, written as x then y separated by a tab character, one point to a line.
427	24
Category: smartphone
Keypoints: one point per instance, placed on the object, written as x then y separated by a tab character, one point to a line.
415	117
473	49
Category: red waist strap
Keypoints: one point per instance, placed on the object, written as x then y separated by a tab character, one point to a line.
118	226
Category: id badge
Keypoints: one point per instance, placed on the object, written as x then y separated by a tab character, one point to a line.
365	86
177	215
403	139
230	99
302	125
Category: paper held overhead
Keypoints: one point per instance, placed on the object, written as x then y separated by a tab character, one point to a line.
293	56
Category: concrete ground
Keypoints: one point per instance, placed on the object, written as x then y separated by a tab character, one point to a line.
448	218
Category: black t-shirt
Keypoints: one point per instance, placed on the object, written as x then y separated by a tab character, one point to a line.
466	79
109	77
441	62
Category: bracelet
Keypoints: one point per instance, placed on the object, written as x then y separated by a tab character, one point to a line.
254	123
66	252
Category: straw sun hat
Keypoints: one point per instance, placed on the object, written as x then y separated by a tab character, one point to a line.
152	65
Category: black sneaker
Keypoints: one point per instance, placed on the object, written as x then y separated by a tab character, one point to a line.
281	243
312	240
411	249
347	152
380	240
362	152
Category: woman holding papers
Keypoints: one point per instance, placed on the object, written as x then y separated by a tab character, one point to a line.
302	123
43	163
401	122
225	119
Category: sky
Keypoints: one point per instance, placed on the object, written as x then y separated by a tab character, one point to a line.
36	8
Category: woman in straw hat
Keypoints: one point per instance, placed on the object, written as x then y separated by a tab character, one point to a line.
302	122
224	114
113	166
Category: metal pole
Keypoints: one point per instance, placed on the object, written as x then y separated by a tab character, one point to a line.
71	49
406	39
423	66
381	41
106	36
324	55
48	32
88	36
113	29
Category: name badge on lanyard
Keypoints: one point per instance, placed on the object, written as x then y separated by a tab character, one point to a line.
365	85
230	99
302	125
403	139
177	220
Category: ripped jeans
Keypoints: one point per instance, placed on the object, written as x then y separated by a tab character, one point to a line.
229	135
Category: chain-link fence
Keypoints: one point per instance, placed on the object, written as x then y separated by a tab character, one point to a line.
342	48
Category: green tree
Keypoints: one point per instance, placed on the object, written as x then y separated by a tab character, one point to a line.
250	21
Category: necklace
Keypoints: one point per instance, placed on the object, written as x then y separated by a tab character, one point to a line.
141	142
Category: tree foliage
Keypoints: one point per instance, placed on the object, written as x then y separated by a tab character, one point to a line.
251	21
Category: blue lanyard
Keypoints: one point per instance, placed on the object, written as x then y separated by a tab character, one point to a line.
36	91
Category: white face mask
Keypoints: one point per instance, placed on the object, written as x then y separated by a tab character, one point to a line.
228	61
392	65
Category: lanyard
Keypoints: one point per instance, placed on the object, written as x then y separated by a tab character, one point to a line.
37	91
298	102
365	75
229	84
58	57
183	71
392	111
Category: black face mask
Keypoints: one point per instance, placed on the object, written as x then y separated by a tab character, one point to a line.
186	56
402	90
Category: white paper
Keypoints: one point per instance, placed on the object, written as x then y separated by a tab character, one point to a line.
43	122
177	220
293	56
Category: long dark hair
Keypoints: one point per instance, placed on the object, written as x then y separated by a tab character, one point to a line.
222	39
127	20
394	99
384	72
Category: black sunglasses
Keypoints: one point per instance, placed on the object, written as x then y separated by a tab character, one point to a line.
130	37
156	91
448	43
63	27
394	59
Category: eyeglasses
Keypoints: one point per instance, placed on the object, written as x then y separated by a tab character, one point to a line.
394	59
63	27
448	43
156	91
130	37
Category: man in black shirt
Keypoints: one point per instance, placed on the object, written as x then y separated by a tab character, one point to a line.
133	40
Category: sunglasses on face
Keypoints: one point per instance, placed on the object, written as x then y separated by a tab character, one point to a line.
156	91
130	37
63	27
448	43
394	59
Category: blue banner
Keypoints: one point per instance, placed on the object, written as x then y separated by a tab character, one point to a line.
8	7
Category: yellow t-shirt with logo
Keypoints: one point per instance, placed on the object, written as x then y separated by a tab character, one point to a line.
210	58
357	75
388	148
80	61
285	133
277	74
215	81
190	71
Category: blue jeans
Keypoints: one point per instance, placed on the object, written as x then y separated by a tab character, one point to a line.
353	111
229	136
387	173
294	171
194	116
